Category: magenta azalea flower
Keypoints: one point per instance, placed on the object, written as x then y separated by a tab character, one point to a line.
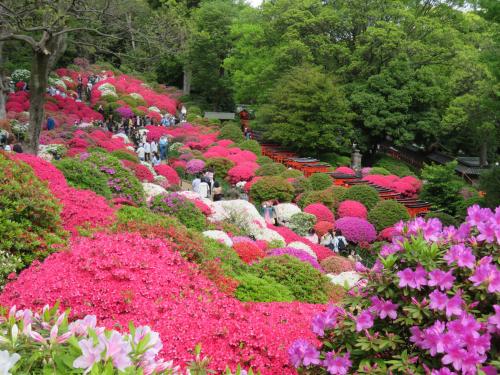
302	353
442	280
364	321
413	279
461	255
384	308
487	273
336	364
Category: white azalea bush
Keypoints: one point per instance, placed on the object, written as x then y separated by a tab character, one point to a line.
285	211
57	82
302	246
19	75
219	236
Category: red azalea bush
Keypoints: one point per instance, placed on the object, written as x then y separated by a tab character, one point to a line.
169	173
122	277
322	227
242	172
321	212
202	207
386	234
352	209
248	252
141	171
356	229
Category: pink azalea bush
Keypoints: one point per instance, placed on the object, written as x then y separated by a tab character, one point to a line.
345	170
321	212
195	166
356	229
121	278
352	209
429	305
242	172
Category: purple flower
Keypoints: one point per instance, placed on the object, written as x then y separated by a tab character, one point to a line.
336	364
436	340
494	321
487	273
117	350
364	321
477	215
384	308
442	280
326	320
302	353
463	325
440	301
432	230
413	279
486	231
454	356
299	254
461	255
90	354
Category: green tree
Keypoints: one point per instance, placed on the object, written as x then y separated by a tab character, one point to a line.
308	112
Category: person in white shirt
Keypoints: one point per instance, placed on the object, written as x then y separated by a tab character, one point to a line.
327	239
147	151
339	243
204	189
156	159
196	184
154	147
140	152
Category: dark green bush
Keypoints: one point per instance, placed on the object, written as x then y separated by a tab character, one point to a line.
442	187
362	193
125	155
264	160
232	132
304	282
253	288
291	173
320	181
317	196
84	175
251	145
273	169
270	188
446	219
387	213
30	222
489	182
178	206
461	207
220	167
301	222
145	216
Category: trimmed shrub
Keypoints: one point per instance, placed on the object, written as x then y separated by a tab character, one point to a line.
345	170
386	213
321	212
273	169
300	184
270	188
352	209
264	160
337	264
250	145
320	181
169	173
265	289
220	167
301	222
30	222
291	173
83	175
325	197
232	132
304	282
177	205
125	155
356	230
362	193
338	193
321	227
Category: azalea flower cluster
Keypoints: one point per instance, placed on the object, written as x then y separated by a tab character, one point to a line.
84	345
407	186
437	286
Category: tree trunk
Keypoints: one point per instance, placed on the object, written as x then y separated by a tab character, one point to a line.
483	155
128	16
4	86
186	82
38	87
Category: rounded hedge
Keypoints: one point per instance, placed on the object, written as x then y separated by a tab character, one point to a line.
320	211
30	222
386	213
232	132
273	169
291	173
336	264
83	175
325	197
356	230
271	188
220	167
301	222
352	209
304	282
320	181
251	145
301	185
252	288
362	193
264	160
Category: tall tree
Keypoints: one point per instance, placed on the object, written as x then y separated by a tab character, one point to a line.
44	25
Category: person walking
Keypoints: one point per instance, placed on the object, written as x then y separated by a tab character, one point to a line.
196	184
163	147
140	152
51	123
156	159
147	151
204	188
154	147
339	243
217	191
